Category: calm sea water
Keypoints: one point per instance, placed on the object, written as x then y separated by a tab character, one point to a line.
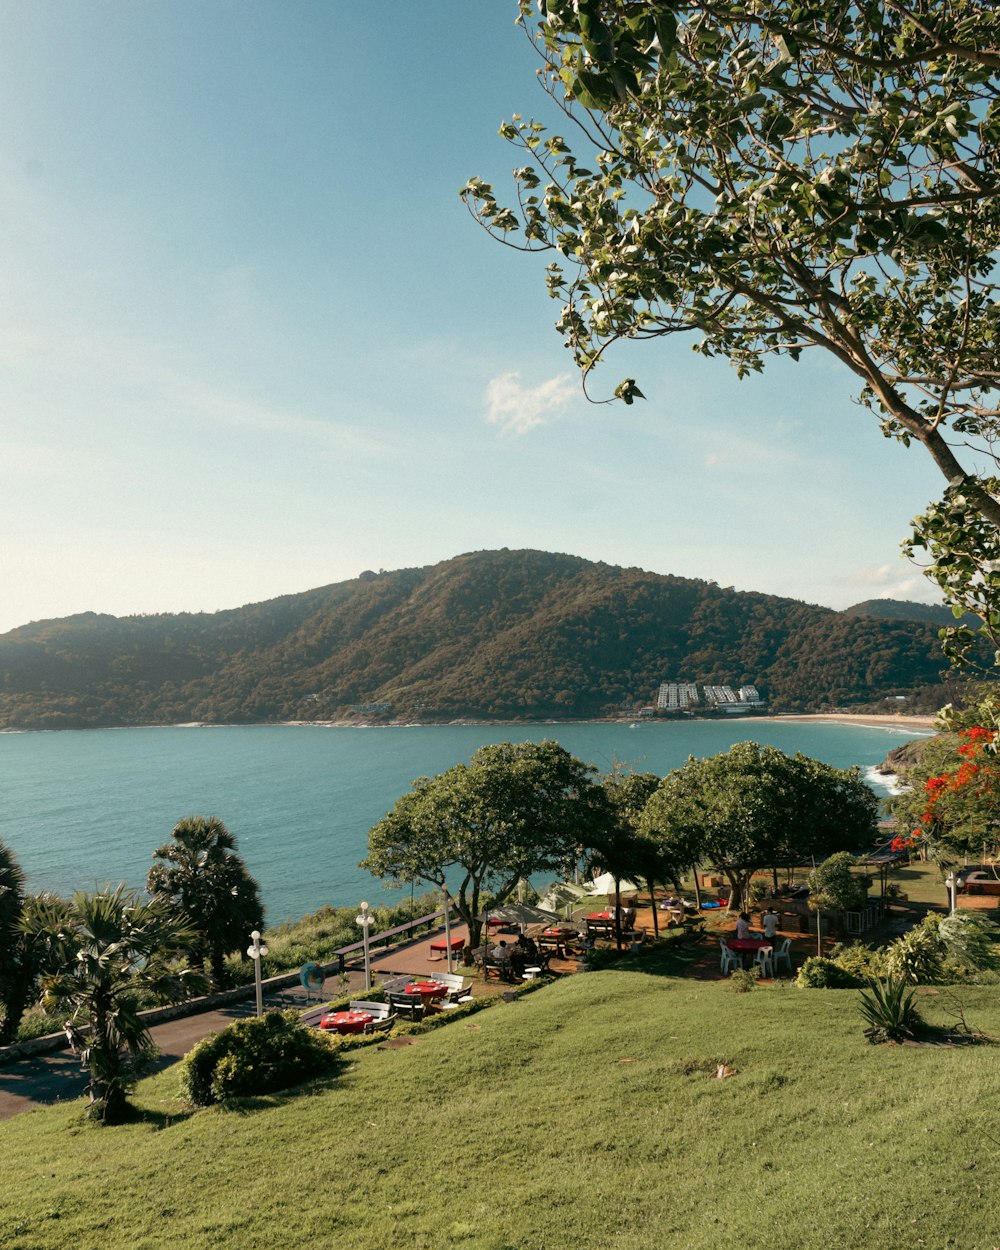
82	808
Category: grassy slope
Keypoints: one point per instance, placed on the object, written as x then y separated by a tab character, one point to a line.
585	1115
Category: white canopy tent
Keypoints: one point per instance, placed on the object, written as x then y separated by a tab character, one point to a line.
605	885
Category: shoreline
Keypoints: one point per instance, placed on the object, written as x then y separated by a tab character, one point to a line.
874	720
877	720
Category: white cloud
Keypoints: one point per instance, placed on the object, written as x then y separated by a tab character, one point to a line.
890	581
518	409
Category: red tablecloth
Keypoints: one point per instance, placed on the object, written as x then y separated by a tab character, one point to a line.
428	990
600	915
347	1021
748	945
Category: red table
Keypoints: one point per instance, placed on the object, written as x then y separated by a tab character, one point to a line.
601	915
347	1021
748	946
428	990
456	945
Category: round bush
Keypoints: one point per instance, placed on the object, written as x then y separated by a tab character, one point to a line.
819	973
257	1056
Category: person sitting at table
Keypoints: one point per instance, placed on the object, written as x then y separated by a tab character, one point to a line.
517	961
742	926
527	947
628	917
770	921
500	955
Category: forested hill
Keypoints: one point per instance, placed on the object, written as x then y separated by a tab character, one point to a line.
492	634
906	610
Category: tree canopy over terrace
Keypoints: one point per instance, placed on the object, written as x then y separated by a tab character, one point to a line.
515	809
752	806
778	176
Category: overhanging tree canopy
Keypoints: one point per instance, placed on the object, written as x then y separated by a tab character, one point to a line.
513	810
781	176
752	806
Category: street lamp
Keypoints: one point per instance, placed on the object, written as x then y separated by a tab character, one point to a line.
446	903
951	882
364	920
257	952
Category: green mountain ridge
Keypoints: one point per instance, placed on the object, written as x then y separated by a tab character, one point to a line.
486	635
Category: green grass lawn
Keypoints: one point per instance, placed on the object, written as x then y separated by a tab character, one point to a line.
585	1115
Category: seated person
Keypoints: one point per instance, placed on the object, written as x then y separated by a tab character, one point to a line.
517	961
770	922
628	918
742	926
527	947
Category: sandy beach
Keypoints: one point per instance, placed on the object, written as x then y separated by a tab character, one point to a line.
878	720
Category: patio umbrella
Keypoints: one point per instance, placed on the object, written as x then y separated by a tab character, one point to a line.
520	913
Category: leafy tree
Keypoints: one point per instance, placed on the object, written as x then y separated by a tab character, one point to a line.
114	950
834	887
202	876
780	177
515	809
752	806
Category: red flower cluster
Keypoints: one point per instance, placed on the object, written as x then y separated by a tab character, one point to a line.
973	744
975	740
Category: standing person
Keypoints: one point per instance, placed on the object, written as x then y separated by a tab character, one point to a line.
770	921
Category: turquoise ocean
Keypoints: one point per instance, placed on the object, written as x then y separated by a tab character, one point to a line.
81	808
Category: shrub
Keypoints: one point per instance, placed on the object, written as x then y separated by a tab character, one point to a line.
257	1056
820	973
889	1008
862	962
743	981
917	956
970	940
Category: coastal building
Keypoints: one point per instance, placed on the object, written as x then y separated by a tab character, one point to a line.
682	696
676	696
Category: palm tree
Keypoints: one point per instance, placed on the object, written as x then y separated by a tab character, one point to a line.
617	847
115	951
11	903
202	876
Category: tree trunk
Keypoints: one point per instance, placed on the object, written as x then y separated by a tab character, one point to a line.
652	903
618	916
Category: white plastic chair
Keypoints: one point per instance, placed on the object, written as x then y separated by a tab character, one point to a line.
784	953
730	958
763	958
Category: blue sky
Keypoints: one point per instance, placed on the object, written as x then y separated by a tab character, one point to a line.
252	343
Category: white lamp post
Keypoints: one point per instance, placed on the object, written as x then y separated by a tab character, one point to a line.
257	952
446	904
952	884
364	920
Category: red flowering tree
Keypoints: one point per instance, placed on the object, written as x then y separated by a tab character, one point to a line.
957	805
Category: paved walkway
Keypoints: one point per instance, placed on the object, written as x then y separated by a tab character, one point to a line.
58	1076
